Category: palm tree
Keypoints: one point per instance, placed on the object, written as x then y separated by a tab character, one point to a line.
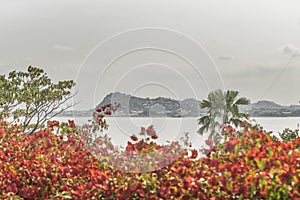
212	121
223	109
232	113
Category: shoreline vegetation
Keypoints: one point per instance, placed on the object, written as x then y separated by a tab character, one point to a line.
61	160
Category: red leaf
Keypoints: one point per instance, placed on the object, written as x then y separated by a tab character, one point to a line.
194	154
134	138
71	123
154	137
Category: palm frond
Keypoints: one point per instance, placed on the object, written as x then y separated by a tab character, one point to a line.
235	110
235	121
205	104
203	120
242	101
244	115
230	96
201	130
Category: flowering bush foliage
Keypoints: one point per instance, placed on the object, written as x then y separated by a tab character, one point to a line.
46	165
251	165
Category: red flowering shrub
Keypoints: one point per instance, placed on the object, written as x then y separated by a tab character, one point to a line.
44	165
100	113
139	156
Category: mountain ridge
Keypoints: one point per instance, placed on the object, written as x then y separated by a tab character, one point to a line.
133	106
154	107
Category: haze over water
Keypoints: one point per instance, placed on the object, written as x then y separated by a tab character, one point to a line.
172	129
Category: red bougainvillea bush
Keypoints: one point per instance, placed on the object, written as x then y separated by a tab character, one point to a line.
47	165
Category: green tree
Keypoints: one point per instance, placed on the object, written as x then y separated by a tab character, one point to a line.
7	97
287	135
223	109
32	98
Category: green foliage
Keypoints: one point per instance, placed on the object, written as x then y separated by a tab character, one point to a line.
223	109
7	97
287	135
32	96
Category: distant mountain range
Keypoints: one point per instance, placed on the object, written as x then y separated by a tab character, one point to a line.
271	109
157	107
132	106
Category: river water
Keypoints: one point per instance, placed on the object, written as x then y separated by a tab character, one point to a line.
172	129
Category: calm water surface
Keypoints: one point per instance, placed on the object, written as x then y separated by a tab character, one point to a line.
172	129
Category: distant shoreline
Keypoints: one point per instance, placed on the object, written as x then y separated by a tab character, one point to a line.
132	106
83	116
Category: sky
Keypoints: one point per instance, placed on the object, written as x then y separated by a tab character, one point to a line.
172	48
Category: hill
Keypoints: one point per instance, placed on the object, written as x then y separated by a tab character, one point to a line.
154	107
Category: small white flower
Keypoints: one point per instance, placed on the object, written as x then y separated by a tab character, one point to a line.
65	138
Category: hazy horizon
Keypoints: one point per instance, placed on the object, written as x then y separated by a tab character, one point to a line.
153	97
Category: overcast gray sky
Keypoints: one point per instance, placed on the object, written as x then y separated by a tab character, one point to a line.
153	48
